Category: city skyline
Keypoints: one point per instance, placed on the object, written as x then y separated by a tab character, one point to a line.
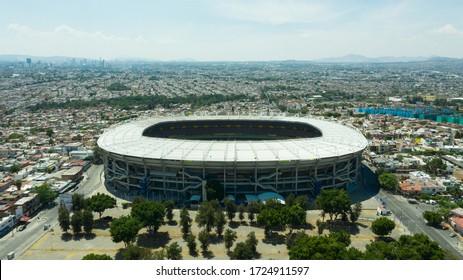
231	30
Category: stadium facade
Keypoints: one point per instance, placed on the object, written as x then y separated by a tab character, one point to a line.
176	158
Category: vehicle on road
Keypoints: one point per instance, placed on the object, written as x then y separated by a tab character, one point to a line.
46	226
452	234
22	227
10	255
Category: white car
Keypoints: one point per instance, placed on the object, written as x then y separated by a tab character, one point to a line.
452	234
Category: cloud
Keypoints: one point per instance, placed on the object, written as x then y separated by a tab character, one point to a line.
275	12
69	32
448	29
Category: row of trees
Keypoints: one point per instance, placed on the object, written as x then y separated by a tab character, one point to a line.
82	212
335	247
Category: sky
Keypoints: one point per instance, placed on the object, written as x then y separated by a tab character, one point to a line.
229	30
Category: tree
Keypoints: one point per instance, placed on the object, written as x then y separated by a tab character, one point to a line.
64	218
388	181
100	202
318	248
93	257
252	242
253	209
169	206
290	200
303	201
76	222
191	243
87	221
355	212
436	166
174	251
205	217
132	252
185	223
241	213
125	229
293	215
229	237
219	222
150	214
333	202
416	247
269	218
14	168
49	132
291	238
242	251
45	194
434	219
78	202
230	208
204	239
382	226
97	154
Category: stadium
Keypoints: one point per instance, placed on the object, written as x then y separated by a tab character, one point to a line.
178	158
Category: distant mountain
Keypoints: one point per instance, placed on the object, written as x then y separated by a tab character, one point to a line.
355	58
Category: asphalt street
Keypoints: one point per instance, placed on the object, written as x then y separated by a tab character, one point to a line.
18	241
411	215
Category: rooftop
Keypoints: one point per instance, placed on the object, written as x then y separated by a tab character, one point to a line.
336	140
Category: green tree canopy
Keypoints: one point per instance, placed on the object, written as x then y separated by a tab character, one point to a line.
229	237
293	216
416	247
76	222
78	202
204	238
125	229
436	166
100	202
45	193
150	214
205	217
331	247
64	218
133	252
219	222
382	226
434	219
87	221
169	206
185	223
242	251
388	181
93	257
334	202
230	208
269	218
174	251
14	168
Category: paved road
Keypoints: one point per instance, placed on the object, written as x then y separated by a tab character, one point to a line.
411	215
19	241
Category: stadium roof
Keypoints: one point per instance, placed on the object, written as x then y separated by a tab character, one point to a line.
336	140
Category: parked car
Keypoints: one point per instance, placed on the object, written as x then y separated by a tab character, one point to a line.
22	227
452	234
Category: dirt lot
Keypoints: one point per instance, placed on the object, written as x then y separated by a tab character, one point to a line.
58	245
